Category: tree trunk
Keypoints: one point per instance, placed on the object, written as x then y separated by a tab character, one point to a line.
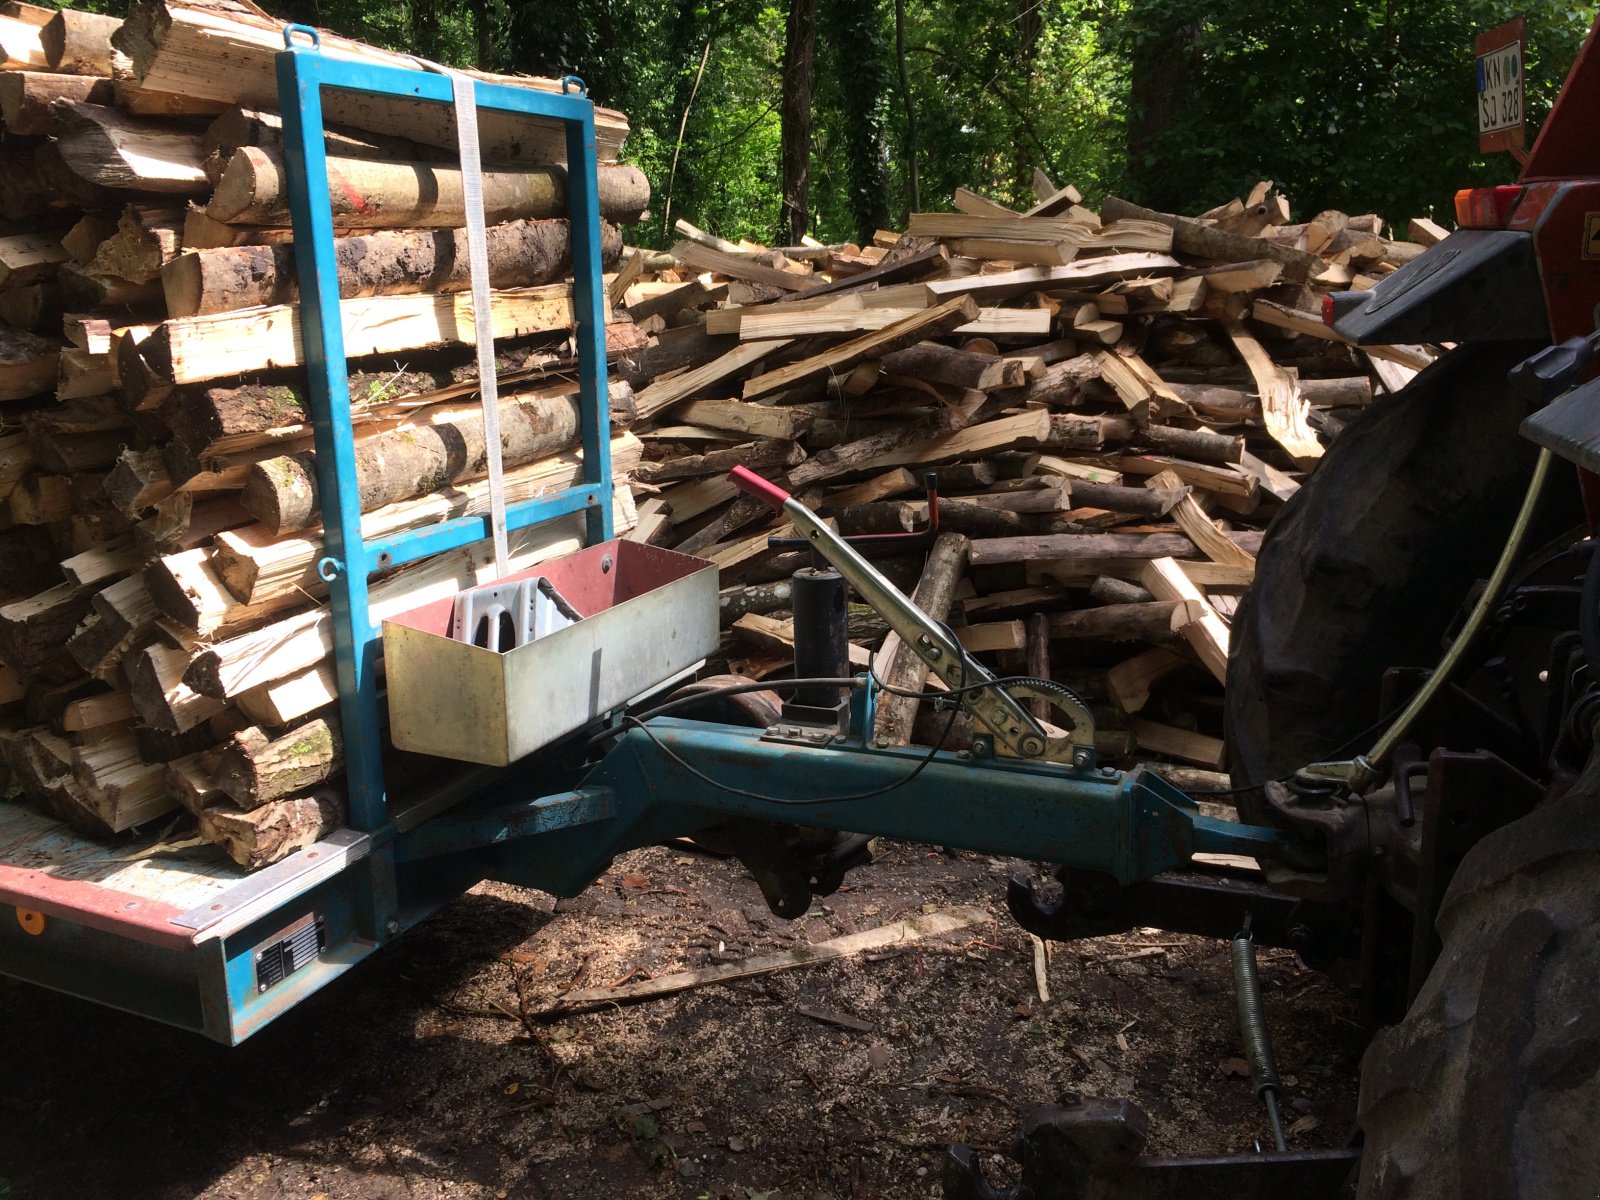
910	103
282	492
799	60
373	194
521	254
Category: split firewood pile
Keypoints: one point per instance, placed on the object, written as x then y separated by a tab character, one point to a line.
1115	404
164	633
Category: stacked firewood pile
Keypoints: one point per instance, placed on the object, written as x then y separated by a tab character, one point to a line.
164	634
1115	404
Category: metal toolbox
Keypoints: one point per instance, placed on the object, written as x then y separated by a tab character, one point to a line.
647	615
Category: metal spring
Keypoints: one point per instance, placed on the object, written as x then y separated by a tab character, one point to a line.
1253	1028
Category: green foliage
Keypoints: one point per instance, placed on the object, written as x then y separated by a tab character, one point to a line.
1363	105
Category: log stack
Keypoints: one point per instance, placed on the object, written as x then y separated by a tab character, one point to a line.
164	635
1116	403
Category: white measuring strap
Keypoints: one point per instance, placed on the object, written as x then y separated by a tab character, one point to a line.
464	93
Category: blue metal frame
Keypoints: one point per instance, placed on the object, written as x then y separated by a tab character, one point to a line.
303	73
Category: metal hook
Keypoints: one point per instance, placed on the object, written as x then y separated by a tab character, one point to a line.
291	29
571	84
329	569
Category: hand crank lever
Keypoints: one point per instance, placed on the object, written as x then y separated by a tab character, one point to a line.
996	707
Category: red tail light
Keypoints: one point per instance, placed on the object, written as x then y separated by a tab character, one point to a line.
1486	208
1327	310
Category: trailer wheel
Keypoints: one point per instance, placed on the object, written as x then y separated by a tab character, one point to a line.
1491	1084
1368	562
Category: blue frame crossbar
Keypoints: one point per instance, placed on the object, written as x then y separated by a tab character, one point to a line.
303	73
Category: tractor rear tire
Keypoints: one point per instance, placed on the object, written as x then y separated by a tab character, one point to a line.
1490	1087
1369	561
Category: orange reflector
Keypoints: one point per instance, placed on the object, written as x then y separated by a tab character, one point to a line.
1486	208
31	921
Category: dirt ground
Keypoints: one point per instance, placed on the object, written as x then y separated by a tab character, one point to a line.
415	1077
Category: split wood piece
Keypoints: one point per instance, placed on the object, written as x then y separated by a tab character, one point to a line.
197	349
1130	681
1024	431
26	97
1233	279
102	563
146	240
137	481
1061	385
40	500
34	630
256	566
778	635
28	364
1282	409
1426	232
1197	445
922	265
187	588
163	699
108	149
191	780
666	392
16	460
1033	254
968	201
1204	630
1139	387
674	299
1191	747
21	46
177	48
373	194
255	769
122	788
902	668
766	455
894	482
993	636
287	700
81	375
282	492
81	290
770	322
1201	241
1226	481
1202	530
655	523
1077	275
739	266
888	937
12	688
274	831
79	43
1124	235
36	308
521	254
1038	651
29	258
1154	621
957	368
929	323
756	420
1081	547
300	642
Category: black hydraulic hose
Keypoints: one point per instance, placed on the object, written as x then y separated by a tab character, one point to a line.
1253	1028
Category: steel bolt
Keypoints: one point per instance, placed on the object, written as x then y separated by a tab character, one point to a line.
392	926
1080	758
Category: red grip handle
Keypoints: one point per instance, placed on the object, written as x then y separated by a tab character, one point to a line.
751	484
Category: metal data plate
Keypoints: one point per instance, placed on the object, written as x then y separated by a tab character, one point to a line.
647	615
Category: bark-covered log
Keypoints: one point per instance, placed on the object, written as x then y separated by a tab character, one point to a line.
373	194
145	241
274	831
282	492
112	150
79	43
255	769
521	254
897	715
26	96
